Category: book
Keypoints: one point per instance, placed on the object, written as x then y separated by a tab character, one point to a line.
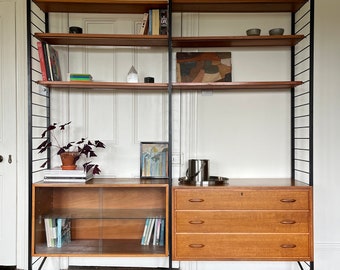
163	21
150	22
51	231
63	231
144	26
42	61
55	65
47	62
79	77
72	176
155	22
149	231
146	226
162	233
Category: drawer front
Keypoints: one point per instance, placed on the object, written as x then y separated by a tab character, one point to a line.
288	247
218	199
242	221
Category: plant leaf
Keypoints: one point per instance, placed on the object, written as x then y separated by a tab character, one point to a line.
99	144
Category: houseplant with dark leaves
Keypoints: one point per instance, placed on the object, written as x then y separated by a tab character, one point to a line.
73	150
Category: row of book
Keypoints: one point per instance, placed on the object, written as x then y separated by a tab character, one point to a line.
155	22
154	232
49	62
58	231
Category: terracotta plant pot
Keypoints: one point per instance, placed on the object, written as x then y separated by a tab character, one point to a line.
68	160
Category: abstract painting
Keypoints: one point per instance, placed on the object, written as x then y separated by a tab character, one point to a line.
154	159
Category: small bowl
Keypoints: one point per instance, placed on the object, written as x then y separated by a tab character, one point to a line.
253	32
276	31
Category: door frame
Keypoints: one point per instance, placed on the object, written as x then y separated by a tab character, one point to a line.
22	134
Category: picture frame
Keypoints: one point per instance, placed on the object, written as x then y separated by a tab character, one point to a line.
154	159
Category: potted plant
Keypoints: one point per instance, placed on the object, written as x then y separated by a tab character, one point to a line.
72	151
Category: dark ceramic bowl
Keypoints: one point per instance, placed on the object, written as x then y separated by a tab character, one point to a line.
276	31
253	32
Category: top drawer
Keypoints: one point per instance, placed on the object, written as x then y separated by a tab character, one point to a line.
223	199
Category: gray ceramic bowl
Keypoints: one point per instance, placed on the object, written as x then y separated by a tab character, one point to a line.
253	32
276	31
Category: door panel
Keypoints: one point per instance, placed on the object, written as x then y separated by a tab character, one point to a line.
7	134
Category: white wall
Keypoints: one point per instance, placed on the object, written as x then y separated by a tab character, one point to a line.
327	134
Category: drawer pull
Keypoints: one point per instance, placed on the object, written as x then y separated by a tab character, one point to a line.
287	221
288	246
288	200
196	245
196	200
194	222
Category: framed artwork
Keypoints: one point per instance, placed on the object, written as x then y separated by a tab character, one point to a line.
201	67
154	159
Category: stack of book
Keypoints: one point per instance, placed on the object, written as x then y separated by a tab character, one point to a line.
80	77
58	231
154	232
72	176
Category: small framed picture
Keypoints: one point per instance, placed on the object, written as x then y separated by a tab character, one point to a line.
154	159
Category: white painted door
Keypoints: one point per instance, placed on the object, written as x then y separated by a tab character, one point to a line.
7	134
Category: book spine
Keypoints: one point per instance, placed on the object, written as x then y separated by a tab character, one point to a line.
163	21
143	240
150	22
155	22
47	62
144	27
162	233
42	61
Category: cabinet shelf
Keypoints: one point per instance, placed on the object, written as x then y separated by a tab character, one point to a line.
237	6
100	6
105	85
76	213
162	41
175	85
236	85
102	247
103	39
236	41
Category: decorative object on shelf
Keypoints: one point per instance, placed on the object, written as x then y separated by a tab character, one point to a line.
68	160
203	66
276	31
75	30
198	173
253	32
154	159
132	76
198	170
149	80
83	147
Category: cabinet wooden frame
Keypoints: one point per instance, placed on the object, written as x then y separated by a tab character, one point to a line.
107	216
246	219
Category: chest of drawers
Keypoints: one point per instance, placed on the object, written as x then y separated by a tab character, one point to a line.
243	221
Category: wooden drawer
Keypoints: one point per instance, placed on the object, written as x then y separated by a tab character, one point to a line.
239	199
242	221
289	247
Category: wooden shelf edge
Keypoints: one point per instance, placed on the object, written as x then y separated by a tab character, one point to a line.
103	39
237	85
234	6
100	6
237	41
162	41
105	85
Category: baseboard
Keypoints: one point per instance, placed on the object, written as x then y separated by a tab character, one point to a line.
7	267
